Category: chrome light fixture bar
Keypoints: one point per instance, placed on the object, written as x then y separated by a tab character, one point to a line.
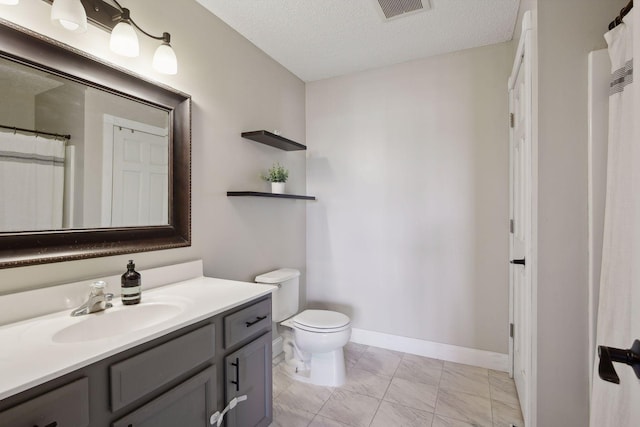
117	20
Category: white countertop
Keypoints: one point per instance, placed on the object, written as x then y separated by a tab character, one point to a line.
29	357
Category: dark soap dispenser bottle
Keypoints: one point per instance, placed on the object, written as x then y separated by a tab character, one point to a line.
131	291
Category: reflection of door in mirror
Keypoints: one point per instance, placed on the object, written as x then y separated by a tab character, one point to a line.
135	173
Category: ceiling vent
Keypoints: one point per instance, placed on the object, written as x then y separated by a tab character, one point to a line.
398	8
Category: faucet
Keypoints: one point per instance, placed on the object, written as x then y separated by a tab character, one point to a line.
98	300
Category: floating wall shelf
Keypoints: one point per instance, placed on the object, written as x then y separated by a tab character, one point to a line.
273	140
273	195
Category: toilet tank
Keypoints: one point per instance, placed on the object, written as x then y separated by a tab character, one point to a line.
284	300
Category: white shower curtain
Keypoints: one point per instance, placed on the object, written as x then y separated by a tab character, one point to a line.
31	182
610	402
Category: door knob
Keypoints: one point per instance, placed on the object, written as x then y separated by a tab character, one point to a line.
518	261
608	355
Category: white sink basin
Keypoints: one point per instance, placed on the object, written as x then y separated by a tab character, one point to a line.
117	320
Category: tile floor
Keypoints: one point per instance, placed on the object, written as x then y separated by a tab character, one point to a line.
385	388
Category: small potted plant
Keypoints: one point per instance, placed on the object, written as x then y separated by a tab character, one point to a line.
277	175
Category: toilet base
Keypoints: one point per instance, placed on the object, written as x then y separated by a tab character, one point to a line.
327	369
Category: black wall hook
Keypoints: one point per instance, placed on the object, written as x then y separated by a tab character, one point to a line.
608	355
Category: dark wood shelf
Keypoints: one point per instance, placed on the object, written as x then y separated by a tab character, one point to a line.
273	140
274	195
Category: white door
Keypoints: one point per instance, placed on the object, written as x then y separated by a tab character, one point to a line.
520	279
140	178
520	233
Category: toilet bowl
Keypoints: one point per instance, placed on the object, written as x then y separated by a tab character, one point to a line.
318	335
321	334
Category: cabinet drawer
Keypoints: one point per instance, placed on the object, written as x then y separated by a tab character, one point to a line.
189	404
64	406
139	375
247	322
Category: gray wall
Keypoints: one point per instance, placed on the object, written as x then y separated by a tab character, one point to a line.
567	31
410	165
235	87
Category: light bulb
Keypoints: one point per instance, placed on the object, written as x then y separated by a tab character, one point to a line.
69	14
124	40
71	26
164	60
9	2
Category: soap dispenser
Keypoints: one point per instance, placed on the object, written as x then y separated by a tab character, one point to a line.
131	291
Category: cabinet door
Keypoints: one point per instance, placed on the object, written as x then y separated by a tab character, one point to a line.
189	404
248	371
65	406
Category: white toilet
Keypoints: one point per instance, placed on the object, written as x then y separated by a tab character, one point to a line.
319	335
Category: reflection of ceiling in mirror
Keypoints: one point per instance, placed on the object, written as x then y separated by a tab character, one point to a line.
15	77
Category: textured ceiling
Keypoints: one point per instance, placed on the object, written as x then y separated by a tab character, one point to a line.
317	39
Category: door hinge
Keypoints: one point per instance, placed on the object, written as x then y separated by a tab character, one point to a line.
511	330
512	120
511	226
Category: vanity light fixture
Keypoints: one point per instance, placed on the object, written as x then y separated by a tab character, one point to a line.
73	15
124	40
70	15
164	60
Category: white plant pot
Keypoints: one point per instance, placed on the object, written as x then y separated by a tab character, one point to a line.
277	187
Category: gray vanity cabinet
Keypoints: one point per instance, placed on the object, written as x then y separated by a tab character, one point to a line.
248	372
178	379
143	373
189	404
67	405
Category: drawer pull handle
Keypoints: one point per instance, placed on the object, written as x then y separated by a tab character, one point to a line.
258	319
237	381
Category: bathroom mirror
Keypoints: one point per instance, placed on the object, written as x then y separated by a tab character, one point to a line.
94	161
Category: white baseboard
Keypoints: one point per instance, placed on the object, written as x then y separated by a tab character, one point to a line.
277	346
451	353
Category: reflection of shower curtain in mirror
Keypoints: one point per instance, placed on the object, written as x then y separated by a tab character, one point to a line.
31	182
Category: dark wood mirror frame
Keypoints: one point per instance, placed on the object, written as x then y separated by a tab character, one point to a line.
27	248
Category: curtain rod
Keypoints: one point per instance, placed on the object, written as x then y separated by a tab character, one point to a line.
36	132
623	13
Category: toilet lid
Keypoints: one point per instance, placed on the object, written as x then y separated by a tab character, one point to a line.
321	319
